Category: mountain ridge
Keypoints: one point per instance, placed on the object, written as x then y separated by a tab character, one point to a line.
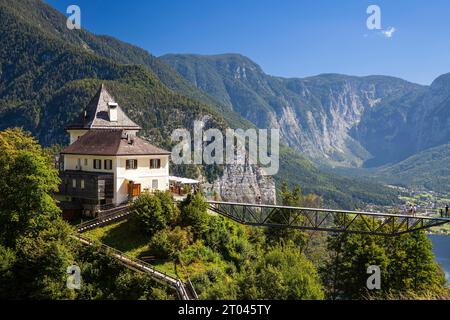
369	116
315	114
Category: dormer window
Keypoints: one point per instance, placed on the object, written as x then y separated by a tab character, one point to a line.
112	111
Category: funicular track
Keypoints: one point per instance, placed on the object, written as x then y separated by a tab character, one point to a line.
185	291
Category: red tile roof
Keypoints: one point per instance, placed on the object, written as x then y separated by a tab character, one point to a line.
112	143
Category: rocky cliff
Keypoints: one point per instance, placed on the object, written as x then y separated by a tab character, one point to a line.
243	183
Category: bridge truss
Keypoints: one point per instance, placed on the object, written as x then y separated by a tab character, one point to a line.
383	224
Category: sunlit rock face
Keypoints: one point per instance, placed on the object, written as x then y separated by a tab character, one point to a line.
243	183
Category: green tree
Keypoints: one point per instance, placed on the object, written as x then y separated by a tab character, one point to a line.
283	273
345	274
168	243
27	181
214	284
406	264
412	267
194	212
285	216
155	211
170	210
149	213
41	264
35	243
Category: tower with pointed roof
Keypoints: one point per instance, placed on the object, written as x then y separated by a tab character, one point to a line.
102	112
106	164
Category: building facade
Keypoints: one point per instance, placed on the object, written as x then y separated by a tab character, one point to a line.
106	163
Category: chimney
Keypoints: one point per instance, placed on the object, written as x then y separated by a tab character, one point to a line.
130	138
112	111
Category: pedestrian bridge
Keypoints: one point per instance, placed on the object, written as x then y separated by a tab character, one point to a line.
383	224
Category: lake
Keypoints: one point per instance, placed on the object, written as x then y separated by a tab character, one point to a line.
441	249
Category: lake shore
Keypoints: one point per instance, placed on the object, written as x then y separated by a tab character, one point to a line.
441	250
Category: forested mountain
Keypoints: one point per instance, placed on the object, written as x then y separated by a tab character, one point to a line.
48	74
336	119
429	168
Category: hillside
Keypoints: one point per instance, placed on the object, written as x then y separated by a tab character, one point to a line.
46	82
429	169
48	75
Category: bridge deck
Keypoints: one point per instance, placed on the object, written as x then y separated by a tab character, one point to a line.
330	220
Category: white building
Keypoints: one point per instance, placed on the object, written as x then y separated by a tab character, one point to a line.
106	163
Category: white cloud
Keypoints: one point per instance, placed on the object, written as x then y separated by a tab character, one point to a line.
389	32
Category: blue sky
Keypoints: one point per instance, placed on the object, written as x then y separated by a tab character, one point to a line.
290	38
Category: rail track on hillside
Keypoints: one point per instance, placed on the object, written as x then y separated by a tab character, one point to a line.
185	291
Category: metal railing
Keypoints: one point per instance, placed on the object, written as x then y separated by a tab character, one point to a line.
324	219
104	207
104	218
139	265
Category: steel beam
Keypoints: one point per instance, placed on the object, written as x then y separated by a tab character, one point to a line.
330	220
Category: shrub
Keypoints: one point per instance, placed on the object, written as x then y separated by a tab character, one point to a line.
150	214
283	273
194	212
169	243
168	206
160	245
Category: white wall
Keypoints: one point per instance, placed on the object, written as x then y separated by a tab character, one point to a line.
71	161
142	175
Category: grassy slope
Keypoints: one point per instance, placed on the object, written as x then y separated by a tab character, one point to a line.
124	236
128	238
